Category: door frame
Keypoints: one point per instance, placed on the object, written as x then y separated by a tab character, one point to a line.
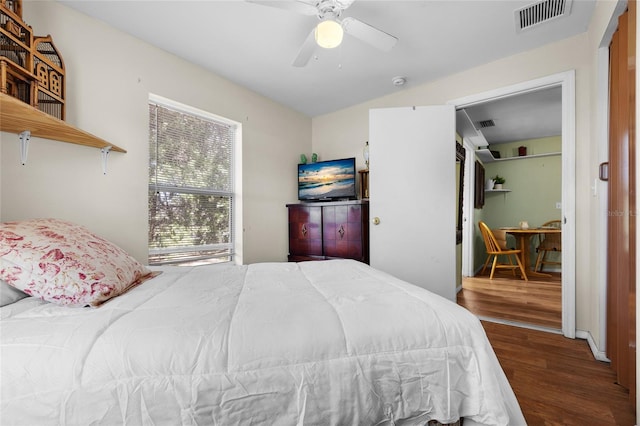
566	80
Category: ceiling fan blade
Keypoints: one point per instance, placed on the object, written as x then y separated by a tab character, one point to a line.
306	51
343	4
371	35
294	6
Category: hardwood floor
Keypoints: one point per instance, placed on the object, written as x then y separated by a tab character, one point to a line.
557	381
537	301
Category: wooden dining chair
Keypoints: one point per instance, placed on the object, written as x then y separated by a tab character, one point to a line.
495	250
549	243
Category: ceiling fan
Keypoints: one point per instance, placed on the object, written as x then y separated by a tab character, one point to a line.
329	31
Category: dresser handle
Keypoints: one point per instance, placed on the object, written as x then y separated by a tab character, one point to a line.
304	229
341	232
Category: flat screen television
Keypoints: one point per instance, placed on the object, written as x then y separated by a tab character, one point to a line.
327	180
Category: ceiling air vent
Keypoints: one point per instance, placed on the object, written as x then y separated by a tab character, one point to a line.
541	12
486	123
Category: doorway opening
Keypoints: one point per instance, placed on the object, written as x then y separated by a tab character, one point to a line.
562	201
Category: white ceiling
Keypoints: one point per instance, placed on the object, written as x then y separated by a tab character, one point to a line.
254	45
520	117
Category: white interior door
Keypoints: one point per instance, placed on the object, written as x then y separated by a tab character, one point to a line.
412	187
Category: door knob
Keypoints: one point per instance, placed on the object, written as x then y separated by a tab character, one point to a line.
376	221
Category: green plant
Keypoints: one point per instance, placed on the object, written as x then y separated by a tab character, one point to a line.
498	179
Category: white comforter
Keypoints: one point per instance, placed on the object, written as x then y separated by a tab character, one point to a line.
315	343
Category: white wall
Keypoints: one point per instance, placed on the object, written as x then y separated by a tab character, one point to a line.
109	78
344	132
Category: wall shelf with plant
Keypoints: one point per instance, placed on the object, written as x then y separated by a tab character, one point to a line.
495	184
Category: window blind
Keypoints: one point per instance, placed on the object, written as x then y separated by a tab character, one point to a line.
190	187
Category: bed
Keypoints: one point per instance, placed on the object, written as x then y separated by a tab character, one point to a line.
313	343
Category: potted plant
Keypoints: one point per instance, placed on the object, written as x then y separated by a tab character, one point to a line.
499	180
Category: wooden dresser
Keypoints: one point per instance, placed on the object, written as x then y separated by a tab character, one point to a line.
329	230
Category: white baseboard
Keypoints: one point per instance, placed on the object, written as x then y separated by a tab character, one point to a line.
597	353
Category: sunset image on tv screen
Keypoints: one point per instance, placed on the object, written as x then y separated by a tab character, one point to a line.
326	180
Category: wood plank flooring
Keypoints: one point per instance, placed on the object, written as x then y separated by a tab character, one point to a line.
557	381
537	301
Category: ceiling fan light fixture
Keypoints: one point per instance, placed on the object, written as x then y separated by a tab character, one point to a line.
329	34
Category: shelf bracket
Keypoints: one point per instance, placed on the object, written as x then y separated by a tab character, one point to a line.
24	146
104	152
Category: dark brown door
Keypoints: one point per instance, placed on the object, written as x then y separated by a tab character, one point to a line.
343	231
621	248
305	231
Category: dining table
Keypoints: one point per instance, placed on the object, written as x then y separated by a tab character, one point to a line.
523	238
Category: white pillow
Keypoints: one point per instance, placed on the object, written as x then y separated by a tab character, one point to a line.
9	294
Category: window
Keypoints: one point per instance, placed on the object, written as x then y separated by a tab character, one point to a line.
191	190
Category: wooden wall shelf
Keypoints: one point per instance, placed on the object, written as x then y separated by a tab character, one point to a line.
486	157
17	116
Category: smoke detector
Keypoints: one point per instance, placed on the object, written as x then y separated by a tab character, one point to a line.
399	81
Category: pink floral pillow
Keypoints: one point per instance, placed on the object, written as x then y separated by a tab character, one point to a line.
65	263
